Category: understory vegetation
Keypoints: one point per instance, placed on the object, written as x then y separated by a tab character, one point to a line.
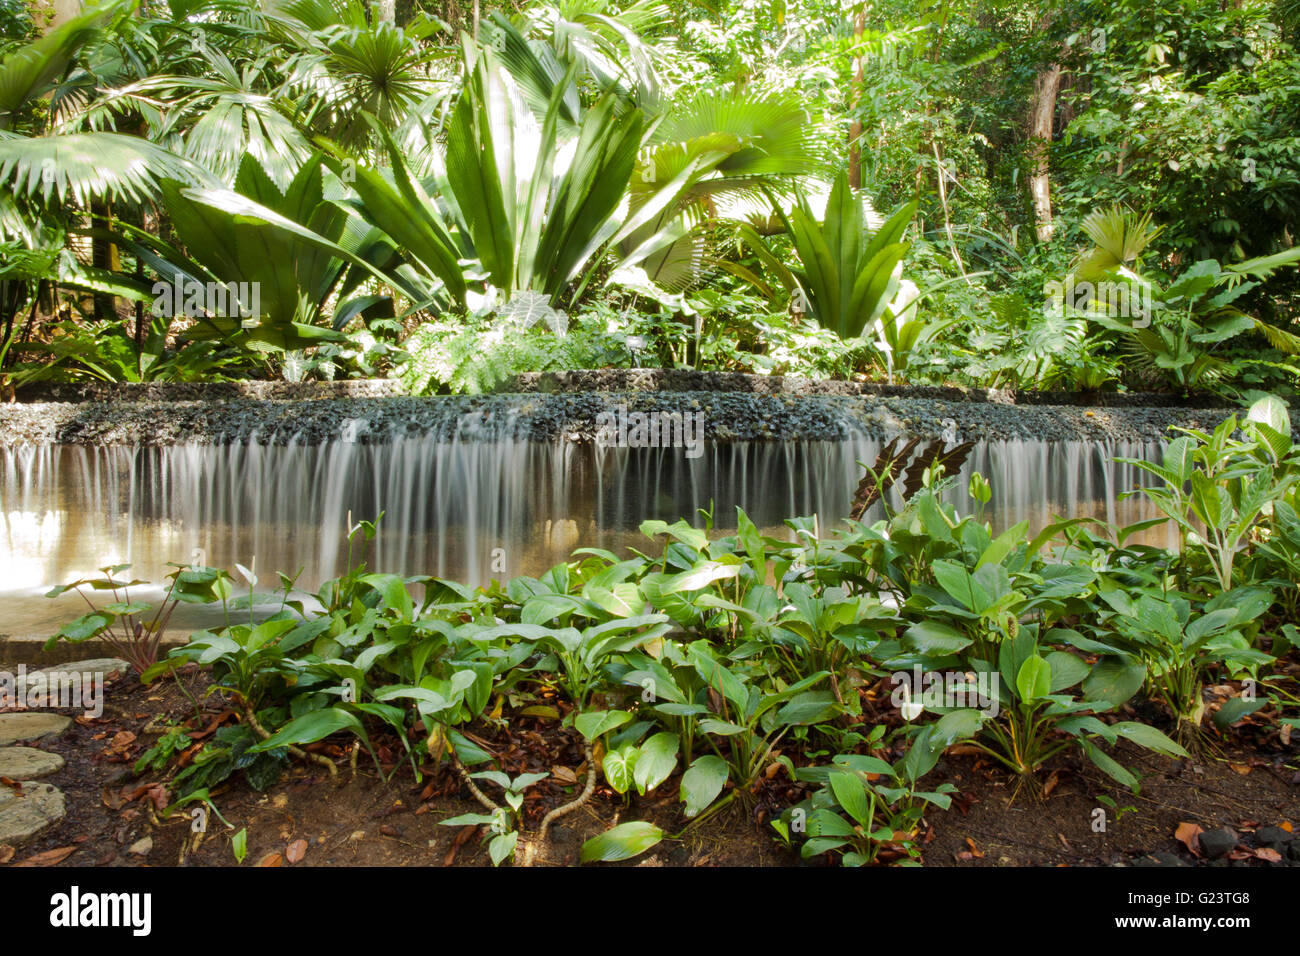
1070	196
707	662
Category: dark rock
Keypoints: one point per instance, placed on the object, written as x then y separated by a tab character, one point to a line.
1274	838
1217	843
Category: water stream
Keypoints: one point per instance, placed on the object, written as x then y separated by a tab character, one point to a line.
458	507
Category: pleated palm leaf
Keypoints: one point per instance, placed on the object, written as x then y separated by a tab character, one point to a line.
847	276
282	246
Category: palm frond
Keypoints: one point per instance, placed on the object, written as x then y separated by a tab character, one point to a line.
86	166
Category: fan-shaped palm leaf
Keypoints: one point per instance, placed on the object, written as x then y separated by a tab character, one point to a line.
86	166
1119	237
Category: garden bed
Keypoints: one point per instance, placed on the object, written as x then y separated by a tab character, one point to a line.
355	819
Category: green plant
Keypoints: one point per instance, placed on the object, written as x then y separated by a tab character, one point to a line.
1217	487
1037	718
1178	644
847	275
124	624
864	805
502	834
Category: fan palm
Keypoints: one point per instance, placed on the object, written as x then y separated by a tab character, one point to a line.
80	166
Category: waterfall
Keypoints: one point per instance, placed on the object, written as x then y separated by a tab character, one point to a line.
466	508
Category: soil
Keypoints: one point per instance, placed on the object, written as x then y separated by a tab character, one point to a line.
355	818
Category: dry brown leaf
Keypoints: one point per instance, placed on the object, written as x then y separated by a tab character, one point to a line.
1052	781
296	851
6	853
564	776
1241	768
1264	853
975	851
1188	835
271	859
1284	735
1286	825
49	857
1064	842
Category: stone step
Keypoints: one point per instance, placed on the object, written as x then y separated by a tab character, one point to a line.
28	763
30	725
96	666
26	814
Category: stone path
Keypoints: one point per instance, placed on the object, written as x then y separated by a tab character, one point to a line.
96	667
28	808
31	725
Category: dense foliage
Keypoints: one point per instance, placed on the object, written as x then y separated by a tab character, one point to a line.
929	193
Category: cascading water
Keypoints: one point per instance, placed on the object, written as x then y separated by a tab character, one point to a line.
470	499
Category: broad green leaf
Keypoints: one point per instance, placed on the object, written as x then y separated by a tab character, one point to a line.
594	723
702	783
657	761
1034	680
621	842
310	728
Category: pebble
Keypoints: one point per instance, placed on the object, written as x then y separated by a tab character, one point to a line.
1275	838
1217	843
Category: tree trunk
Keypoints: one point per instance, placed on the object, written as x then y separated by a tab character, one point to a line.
386	10
1046	86
855	97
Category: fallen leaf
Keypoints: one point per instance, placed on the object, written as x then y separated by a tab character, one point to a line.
158	794
1264	853
1241	768
1286	825
462	836
49	857
1284	735
296	851
975	851
14	784
271	859
564	776
1052	781
6	853
112	798
1064	842
1188	835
